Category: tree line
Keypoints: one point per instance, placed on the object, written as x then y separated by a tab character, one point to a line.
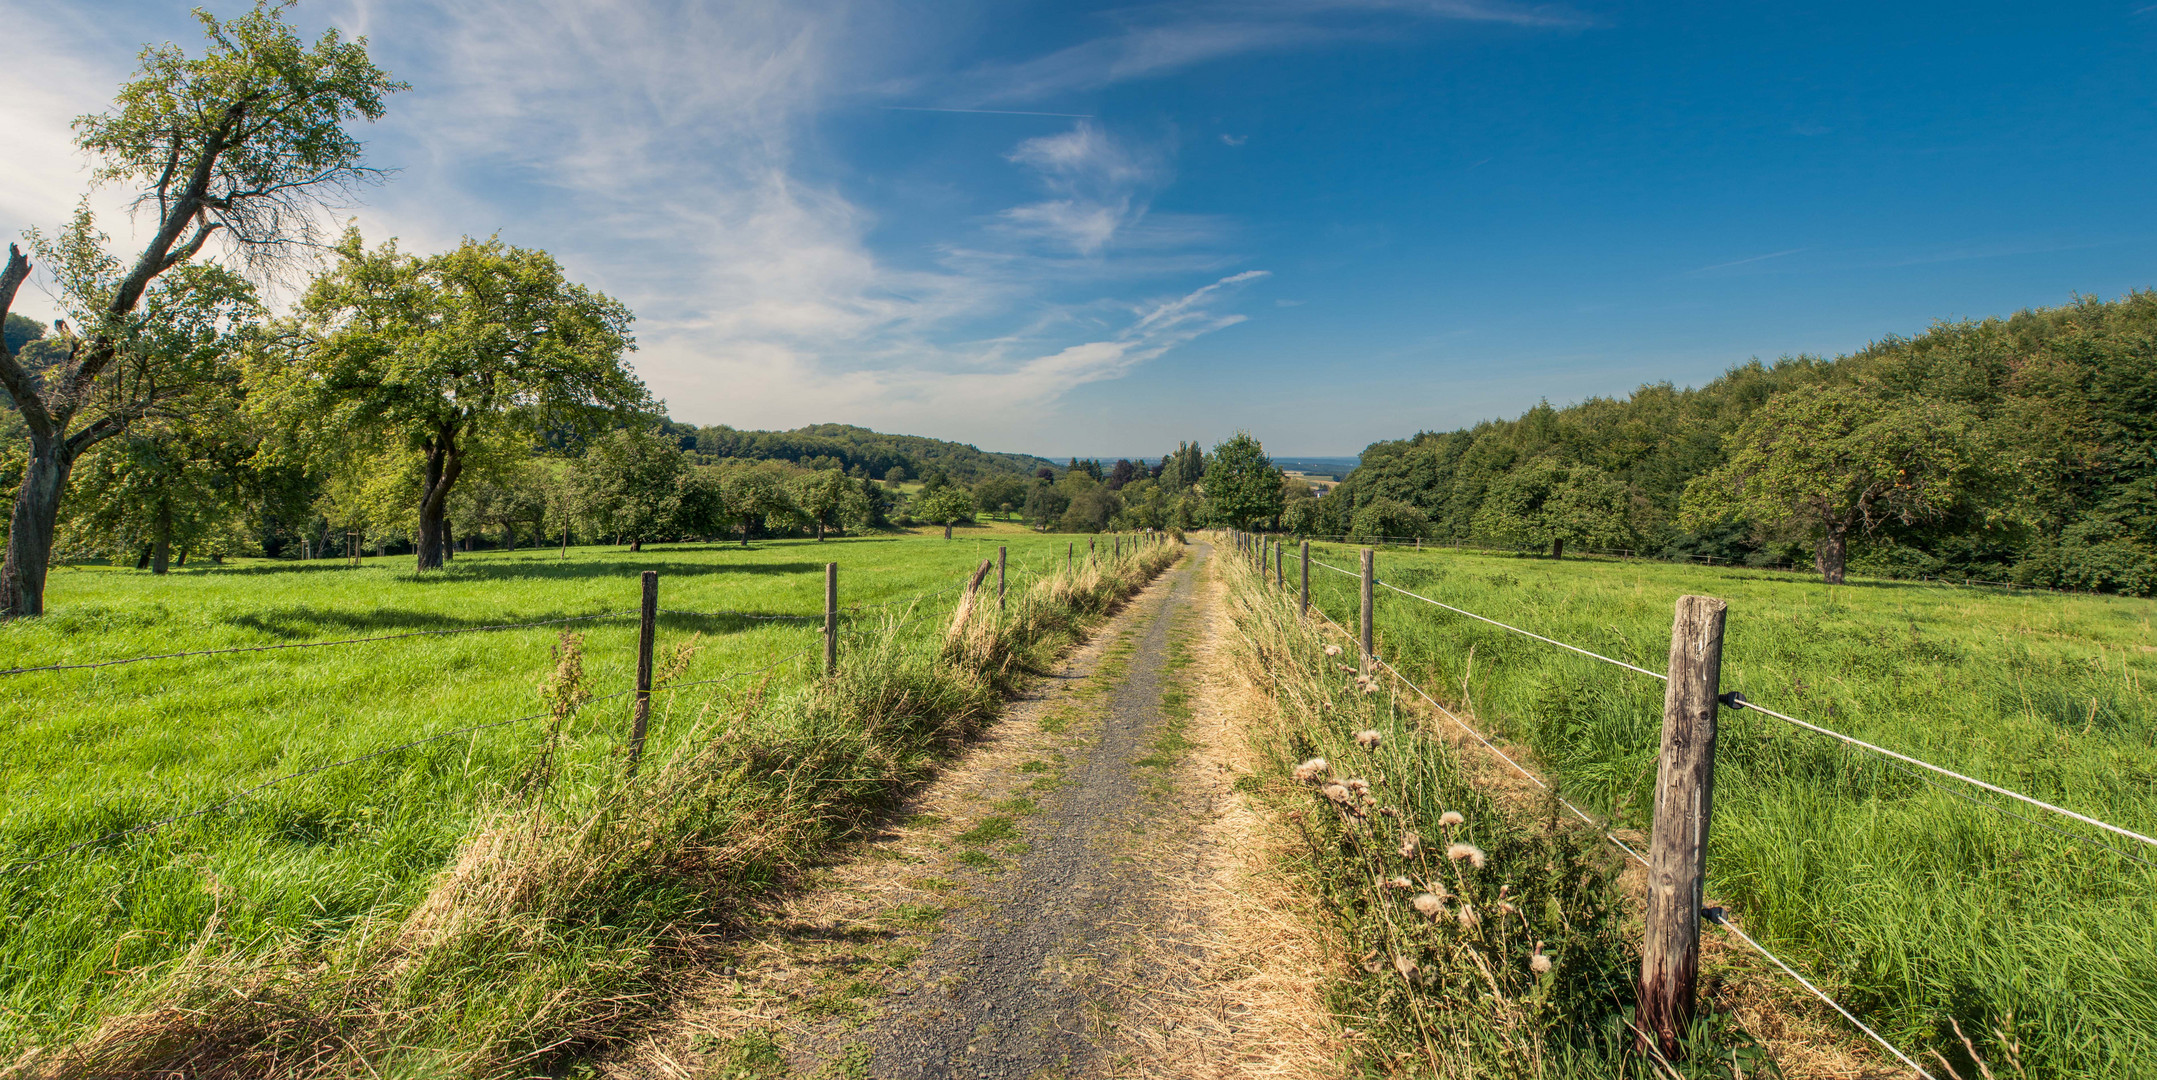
2020	448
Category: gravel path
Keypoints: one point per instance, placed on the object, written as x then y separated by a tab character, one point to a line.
1025	984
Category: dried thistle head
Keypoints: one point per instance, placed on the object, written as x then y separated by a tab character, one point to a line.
564	689
1310	771
1357	786
1333	650
1399	883
1368	738
1468	918
1470	852
1428	905
1411	844
1405	966
1538	962
1449	819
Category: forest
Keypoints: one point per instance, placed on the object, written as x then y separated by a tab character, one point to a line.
2020	449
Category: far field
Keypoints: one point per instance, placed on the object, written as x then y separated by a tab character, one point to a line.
1913	904
92	752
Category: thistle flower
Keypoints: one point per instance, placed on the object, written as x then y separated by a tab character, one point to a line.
1470	852
1368	738
1506	908
1411	843
1335	792
1469	920
1405	966
1389	811
1372	963
1399	883
1539	963
1310	771
1358	786
1333	650
1429	905
1449	819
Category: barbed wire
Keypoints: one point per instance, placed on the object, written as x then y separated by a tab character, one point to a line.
317	644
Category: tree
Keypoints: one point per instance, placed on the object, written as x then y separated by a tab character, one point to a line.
828	499
1123	472
1380	519
945	506
246	141
1549	504
1825	462
630	485
503	491
1000	494
484	344
1045	503
1183	468
756	495
1242	486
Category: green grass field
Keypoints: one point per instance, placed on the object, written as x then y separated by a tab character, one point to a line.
1912	904
92	752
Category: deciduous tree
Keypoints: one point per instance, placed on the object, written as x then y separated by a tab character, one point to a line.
1242	486
485	343
244	142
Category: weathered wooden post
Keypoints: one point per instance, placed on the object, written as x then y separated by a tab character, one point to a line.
966	602
647	628
999	578
1280	563
1092	557
1678	851
1070	556
1304	604
831	617
1119	545
1370	573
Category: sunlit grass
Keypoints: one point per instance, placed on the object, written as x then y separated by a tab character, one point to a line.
1916	906
93	752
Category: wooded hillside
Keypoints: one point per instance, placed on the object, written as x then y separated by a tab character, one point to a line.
859	451
2023	447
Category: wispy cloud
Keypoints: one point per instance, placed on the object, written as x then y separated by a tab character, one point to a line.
1155	41
1748	260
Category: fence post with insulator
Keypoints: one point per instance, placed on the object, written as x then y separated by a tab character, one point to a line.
1370	574
1678	851
647	628
831	617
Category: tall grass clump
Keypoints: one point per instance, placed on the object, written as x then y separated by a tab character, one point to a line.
1906	895
1484	937
552	932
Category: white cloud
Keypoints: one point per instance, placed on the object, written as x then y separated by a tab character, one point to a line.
665	151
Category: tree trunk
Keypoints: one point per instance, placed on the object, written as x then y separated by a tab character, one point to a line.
1828	557
1557	547
449	540
161	544
444	462
142	561
182	560
947	530
745	534
819	532
637	544
565	541
509	536
29	538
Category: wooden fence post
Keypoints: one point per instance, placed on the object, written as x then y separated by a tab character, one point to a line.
831	617
1678	850
999	578
1091	557
966	602
1304	604
1070	556
1370	573
647	628
1280	565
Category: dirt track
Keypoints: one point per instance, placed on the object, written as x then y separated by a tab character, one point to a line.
1082	894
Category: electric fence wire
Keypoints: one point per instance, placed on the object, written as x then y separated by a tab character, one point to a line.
319	644
1721	918
1739	701
1716	915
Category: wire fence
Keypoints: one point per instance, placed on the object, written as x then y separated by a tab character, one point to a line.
1030	570
1894	759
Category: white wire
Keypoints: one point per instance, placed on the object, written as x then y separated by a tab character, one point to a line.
1994	788
1717	916
1740	702
1500	625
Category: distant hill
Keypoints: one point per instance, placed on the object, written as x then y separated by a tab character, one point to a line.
872	453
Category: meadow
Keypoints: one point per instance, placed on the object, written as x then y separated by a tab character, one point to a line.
1916	903
290	869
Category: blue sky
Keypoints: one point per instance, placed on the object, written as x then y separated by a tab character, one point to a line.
1066	228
